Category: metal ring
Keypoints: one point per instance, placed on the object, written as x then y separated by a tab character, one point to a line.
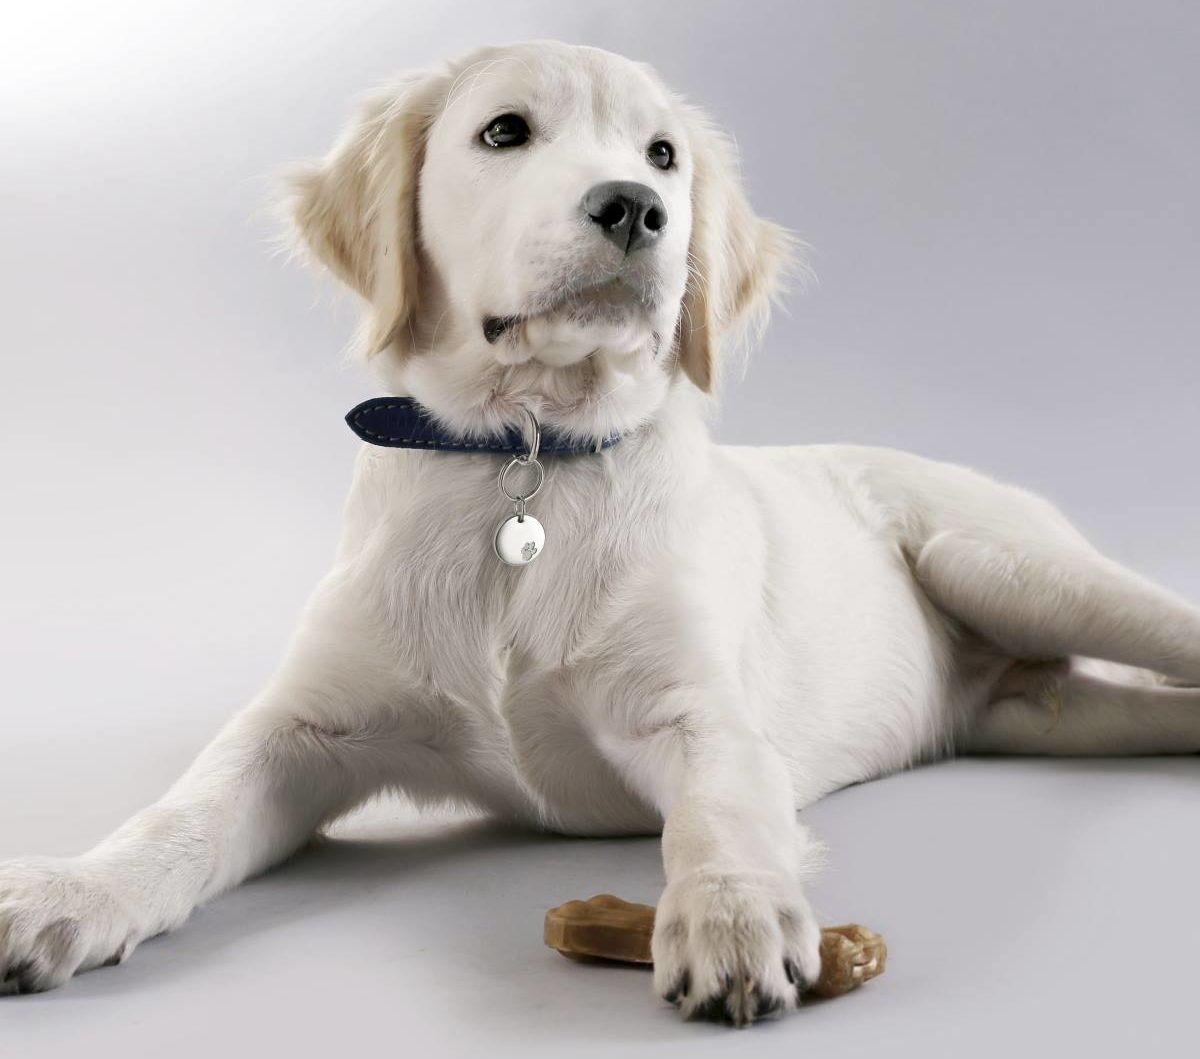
535	447
522	461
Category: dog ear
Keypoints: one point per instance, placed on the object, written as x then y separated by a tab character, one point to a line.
356	210
735	259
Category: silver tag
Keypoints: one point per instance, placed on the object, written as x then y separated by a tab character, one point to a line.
519	540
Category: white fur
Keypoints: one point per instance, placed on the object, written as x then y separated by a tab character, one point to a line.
714	636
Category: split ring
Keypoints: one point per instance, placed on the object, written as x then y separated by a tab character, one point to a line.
522	461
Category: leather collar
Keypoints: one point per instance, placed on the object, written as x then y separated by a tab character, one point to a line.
402	423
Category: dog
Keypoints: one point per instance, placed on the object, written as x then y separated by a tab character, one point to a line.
706	639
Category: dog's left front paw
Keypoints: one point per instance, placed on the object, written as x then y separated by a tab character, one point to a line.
735	947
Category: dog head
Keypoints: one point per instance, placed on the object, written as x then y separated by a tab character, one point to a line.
539	226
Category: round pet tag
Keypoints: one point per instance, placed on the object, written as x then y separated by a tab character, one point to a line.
519	540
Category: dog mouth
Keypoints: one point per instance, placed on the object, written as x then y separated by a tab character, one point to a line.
610	301
494	327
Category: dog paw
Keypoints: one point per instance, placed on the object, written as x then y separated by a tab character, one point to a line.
57	917
735	947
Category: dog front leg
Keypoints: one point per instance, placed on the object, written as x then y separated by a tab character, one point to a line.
250	799
330	729
734	937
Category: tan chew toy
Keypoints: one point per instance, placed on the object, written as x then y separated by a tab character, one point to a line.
607	928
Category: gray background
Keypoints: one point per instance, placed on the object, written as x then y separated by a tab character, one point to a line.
1003	202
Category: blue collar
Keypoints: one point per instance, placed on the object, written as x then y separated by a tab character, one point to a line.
401	423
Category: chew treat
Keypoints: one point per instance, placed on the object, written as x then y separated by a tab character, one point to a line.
603	928
850	955
607	928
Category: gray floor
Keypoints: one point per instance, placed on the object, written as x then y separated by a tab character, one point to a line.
1028	906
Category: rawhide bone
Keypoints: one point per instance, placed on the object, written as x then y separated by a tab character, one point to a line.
606	928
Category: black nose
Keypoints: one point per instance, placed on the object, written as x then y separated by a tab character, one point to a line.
630	215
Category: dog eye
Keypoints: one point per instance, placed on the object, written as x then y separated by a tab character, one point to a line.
661	154
508	130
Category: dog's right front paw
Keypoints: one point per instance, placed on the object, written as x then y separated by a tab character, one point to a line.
734	946
57	917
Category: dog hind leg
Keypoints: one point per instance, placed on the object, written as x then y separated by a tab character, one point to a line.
1087	709
1039	600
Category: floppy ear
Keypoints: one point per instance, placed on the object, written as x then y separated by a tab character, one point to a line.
735	259
356	211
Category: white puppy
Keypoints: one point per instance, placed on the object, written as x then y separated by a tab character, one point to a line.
712	637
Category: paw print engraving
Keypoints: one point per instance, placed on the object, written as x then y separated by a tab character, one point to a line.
529	551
